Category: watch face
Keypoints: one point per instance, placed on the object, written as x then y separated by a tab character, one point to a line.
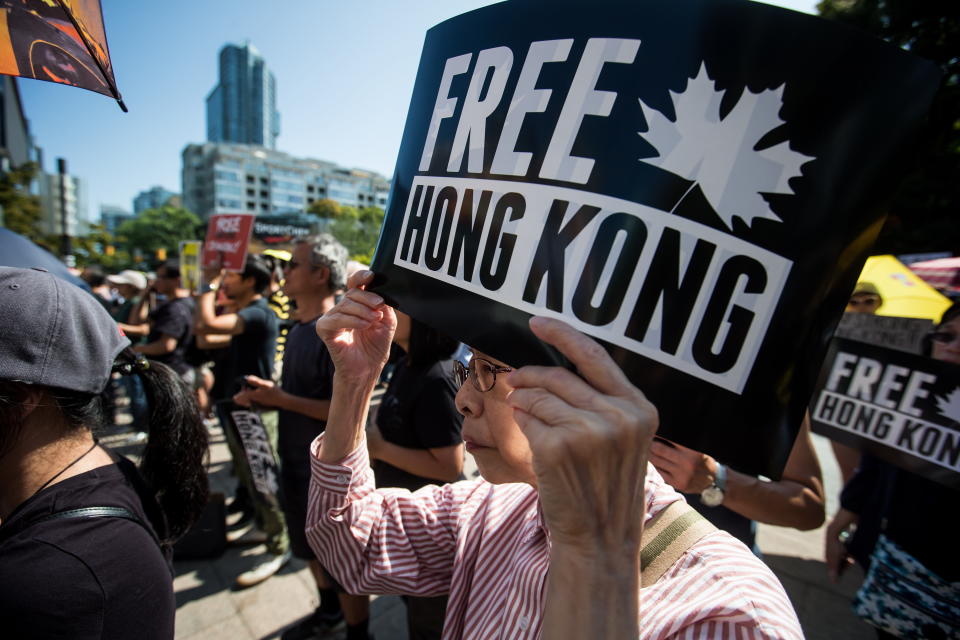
712	496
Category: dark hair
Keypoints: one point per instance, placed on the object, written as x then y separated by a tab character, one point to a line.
94	275
259	270
173	459
171	268
427	345
952	312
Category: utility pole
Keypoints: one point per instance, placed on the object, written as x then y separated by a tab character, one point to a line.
66	248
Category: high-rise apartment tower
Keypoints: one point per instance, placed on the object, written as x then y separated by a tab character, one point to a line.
242	108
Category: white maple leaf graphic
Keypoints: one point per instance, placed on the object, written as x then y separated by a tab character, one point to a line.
949	406
719	154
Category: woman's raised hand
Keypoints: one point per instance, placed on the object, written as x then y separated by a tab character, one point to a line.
590	435
358	330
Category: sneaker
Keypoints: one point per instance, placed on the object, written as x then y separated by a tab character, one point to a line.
316	625
248	534
263	570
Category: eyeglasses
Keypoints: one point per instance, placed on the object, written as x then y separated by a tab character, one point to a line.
943	337
483	372
867	302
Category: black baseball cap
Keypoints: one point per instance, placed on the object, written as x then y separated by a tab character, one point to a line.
55	334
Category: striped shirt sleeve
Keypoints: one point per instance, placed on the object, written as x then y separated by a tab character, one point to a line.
381	541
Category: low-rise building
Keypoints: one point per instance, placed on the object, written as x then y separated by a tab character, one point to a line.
237	178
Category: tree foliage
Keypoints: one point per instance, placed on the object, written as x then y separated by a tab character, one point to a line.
358	230
923	213
161	228
21	209
325	208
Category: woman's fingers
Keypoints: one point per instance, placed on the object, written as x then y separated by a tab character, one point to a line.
592	361
561	382
359	279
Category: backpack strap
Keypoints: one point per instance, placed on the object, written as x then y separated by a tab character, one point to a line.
85	512
667	536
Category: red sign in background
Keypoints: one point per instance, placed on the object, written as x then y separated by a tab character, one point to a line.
228	235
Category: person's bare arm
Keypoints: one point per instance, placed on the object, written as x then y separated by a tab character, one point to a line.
136	330
440	463
208	322
162	346
267	394
796	500
213	340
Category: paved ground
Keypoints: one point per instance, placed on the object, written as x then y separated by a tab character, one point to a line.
209	607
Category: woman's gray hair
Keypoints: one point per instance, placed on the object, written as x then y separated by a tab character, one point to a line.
328	252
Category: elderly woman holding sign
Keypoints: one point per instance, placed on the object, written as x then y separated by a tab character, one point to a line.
554	540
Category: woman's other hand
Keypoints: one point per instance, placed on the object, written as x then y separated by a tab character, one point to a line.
590	435
358	331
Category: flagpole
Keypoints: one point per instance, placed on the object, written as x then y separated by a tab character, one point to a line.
90	50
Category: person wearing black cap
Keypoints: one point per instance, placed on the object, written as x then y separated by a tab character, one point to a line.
85	537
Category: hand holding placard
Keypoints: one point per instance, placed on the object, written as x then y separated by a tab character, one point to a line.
590	435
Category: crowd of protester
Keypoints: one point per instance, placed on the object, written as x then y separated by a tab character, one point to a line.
546	543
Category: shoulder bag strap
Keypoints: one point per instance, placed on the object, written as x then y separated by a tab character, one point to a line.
85	512
667	536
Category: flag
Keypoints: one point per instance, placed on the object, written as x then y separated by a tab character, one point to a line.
61	41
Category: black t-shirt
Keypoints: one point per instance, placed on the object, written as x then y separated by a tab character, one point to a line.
251	352
174	318
307	372
93	578
417	411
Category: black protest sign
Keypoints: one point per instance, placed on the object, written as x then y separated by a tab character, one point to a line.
900	407
248	426
903	334
694	183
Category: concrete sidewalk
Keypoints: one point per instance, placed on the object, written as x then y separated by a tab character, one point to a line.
209	607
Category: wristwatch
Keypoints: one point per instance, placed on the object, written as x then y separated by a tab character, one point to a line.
713	495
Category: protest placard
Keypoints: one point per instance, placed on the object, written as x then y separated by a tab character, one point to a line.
259	452
901	407
684	181
228	236
902	334
190	265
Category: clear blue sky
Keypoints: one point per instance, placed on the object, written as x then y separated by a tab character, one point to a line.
344	71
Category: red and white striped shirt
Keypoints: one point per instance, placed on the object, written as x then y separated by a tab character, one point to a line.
487	547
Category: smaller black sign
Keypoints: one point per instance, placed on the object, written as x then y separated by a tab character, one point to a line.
902	334
256	444
898	406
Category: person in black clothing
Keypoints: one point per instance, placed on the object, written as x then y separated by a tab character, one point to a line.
171	325
252	332
416	440
313	276
85	536
906	508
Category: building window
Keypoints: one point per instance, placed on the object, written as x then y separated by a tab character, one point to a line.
309	188
264	194
251	205
251	179
264	181
251	193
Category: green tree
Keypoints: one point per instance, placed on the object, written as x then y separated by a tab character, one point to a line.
161	228
325	208
358	230
21	209
922	216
